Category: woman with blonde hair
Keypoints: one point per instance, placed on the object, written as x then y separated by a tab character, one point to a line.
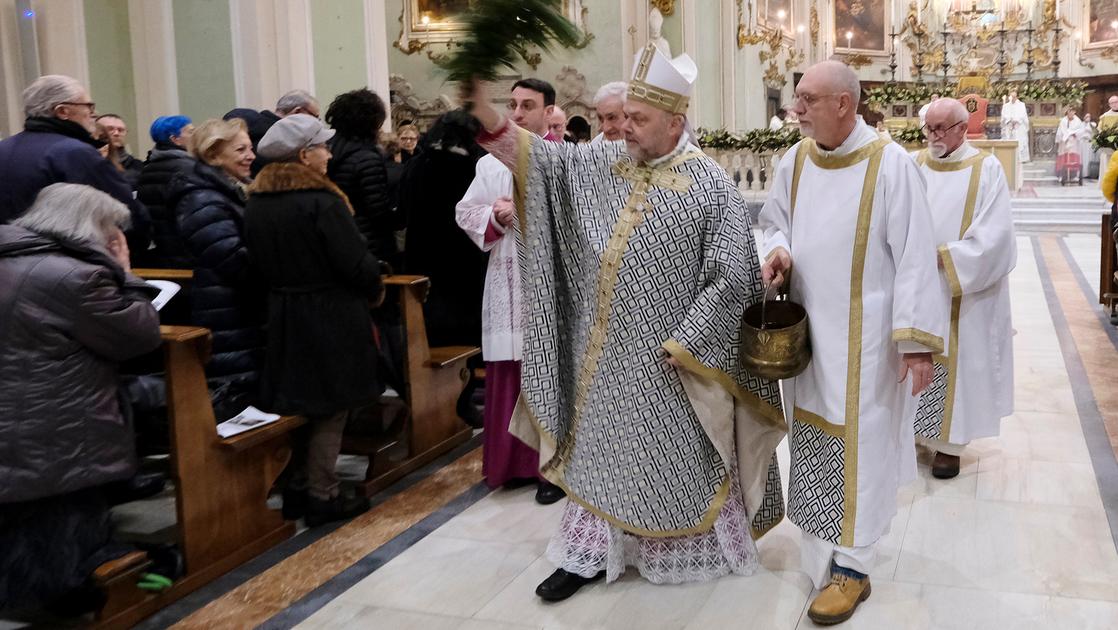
209	207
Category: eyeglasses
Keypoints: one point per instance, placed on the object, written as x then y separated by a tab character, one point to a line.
939	131
92	106
811	99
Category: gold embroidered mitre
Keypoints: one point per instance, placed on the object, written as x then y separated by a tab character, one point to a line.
661	82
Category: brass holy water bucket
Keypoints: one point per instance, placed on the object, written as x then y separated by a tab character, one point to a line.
774	339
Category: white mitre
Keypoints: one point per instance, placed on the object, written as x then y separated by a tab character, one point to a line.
661	82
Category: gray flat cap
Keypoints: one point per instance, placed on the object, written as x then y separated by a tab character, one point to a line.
292	134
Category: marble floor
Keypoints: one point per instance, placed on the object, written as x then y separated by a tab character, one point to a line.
1022	538
1025	537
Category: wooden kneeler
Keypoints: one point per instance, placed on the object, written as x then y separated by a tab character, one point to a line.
221	485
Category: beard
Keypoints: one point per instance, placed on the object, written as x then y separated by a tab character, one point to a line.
938	149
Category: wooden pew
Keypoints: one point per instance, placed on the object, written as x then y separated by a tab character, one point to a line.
435	379
1108	257
221	485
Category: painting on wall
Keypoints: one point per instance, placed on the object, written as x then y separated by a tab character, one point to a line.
775	14
864	21
1101	23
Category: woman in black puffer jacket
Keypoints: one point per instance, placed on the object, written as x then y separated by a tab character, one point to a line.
171	135
358	168
209	205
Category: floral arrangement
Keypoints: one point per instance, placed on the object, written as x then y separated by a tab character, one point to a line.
1065	92
909	135
756	140
877	98
1106	140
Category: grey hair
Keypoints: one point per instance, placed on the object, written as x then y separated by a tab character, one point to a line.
49	91
956	111
615	89
293	99
75	212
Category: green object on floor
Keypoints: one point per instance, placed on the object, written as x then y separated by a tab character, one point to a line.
154	582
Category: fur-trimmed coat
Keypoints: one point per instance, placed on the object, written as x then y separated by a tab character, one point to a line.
321	357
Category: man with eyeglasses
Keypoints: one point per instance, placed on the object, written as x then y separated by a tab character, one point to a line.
973	222
57	146
848	218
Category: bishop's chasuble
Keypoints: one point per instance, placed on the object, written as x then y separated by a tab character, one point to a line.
973	224
856	223
622	265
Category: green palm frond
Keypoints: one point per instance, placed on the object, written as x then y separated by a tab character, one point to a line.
499	30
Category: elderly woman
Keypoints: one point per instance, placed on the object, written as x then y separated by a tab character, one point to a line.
171	156
70	312
321	358
209	206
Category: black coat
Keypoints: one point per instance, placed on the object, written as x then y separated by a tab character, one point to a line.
68	316
359	170
433	184
321	357
51	151
225	298
163	163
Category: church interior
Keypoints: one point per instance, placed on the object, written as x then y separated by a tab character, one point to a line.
1023	535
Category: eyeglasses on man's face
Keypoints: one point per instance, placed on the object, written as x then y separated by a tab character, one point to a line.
810	100
939	130
91	105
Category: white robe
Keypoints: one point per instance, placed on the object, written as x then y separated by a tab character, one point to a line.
863	258
1015	126
973	219
501	329
1068	133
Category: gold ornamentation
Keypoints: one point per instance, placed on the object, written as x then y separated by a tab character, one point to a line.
666	7
813	24
857	60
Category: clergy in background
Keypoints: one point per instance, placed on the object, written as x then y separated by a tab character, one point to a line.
486	214
1109	118
1015	125
848	217
973	222
638	262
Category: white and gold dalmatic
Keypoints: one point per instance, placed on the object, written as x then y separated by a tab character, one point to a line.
856	223
973	220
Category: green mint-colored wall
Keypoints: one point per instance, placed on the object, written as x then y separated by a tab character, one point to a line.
600	62
338	33
204	58
709	59
109	47
673	31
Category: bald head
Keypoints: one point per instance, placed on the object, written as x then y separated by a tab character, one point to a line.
827	102
945	126
557	122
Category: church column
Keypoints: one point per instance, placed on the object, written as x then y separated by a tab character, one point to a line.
62	43
154	69
11	69
272	50
376	52
728	36
634	13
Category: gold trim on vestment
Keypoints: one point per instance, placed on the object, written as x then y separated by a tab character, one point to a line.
915	335
801	155
833	162
924	159
689	362
957	297
873	151
819	422
520	176
631	216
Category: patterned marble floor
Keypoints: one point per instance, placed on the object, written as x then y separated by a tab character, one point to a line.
1021	539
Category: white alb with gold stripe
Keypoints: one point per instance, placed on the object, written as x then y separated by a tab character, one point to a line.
857	225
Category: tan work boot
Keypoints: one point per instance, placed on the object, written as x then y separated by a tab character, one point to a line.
837	602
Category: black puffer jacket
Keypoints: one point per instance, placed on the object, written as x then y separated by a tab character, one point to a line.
164	162
68	316
225	298
358	169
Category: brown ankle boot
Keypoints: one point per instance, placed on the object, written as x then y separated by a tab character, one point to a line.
837	602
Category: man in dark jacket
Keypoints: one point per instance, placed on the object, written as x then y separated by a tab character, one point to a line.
171	135
57	145
115	133
70	312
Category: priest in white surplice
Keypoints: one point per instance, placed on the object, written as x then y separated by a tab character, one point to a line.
1015	125
969	198
848	216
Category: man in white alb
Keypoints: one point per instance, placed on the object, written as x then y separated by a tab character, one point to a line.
848	217
1015	125
973	221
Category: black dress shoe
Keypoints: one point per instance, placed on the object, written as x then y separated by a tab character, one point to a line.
562	584
294	504
339	508
945	466
549	493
